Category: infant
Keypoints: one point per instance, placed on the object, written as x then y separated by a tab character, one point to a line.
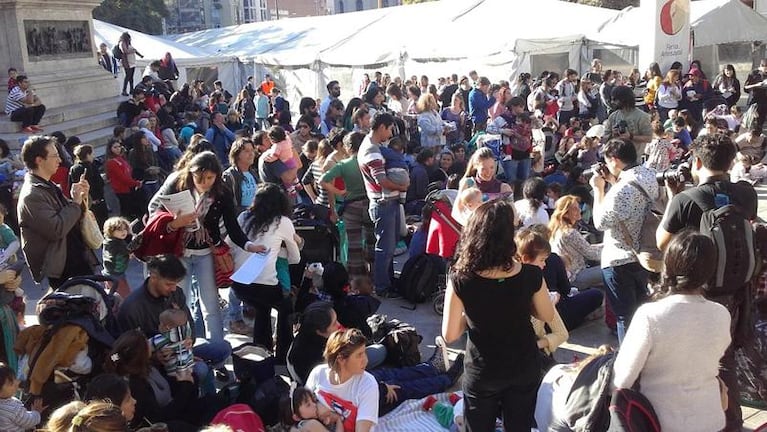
173	330
395	164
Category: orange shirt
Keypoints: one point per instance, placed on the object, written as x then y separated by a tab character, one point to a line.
267	86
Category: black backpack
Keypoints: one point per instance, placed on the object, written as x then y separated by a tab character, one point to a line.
400	339
587	406
630	411
117	52
419	278
733	237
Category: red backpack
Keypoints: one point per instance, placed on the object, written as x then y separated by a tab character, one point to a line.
240	418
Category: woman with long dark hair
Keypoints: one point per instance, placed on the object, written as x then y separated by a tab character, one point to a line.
492	295
144	164
686	395
128	62
168	71
201	176
120	176
727	84
351	107
267	222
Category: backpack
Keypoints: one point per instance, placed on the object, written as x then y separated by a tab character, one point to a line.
401	342
240	418
117	52
648	254
631	411
733	237
266	399
419	278
587	406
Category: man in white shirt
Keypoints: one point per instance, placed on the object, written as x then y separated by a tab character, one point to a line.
24	106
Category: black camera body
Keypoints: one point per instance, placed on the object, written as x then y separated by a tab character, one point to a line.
679	174
599	169
622	127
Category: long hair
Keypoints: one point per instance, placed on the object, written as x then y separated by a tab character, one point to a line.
688	264
481	154
487	240
269	205
534	191
559	220
205	162
129	355
99	417
316	317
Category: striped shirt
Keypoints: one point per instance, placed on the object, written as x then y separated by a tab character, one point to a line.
14	100
373	167
14	417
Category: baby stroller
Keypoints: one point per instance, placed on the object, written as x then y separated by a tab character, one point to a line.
442	237
77	329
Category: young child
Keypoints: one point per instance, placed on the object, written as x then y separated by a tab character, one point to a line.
301	412
658	151
395	164
669	123
12	74
173	330
115	252
465	204
734	118
9	245
282	149
13	415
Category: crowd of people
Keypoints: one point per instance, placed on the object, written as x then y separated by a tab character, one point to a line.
551	181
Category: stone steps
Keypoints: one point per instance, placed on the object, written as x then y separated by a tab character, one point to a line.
93	122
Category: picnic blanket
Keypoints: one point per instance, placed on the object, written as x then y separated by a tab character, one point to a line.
410	417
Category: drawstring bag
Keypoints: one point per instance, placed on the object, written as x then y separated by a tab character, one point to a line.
89	227
223	265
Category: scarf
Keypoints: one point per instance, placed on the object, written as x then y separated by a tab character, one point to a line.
200	236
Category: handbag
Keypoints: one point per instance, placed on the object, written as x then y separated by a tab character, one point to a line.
89	228
223	265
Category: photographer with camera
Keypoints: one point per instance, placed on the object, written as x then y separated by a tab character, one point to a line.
712	156
627	121
620	213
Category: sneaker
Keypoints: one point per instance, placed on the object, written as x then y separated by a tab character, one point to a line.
239	327
456	370
28	130
439	359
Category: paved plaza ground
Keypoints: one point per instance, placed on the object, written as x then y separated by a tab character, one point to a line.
581	343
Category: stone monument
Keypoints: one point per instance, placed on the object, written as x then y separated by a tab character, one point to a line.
51	41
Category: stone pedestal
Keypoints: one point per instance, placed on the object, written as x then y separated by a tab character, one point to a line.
51	41
668	38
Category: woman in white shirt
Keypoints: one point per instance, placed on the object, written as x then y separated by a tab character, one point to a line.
531	210
267	221
685	392
343	385
668	94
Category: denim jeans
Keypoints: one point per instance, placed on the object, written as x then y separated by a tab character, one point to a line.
575	309
590	277
234	311
414	382
200	267
626	291
376	355
213	354
516	170
385	215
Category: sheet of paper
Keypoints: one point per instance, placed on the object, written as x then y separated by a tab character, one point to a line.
251	269
180	203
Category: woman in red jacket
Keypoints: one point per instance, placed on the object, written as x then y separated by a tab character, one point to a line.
119	174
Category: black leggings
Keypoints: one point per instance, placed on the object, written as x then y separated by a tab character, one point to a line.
263	298
128	79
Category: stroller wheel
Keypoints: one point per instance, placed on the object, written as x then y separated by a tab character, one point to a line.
438	302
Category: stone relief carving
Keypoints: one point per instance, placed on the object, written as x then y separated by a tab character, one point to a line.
50	40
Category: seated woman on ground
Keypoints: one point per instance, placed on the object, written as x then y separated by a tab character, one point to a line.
353	310
112	388
568	243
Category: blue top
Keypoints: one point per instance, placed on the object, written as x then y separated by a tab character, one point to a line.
393	158
479	103
248	188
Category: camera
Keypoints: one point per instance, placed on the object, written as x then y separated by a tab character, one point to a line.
679	174
622	127
599	169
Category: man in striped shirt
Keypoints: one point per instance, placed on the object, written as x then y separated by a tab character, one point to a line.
384	201
24	106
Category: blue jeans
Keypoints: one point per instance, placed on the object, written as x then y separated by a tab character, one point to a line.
200	267
516	170
414	382
575	309
213	354
234	312
626	290
385	215
376	355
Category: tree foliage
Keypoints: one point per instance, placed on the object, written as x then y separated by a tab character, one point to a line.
610	4
140	15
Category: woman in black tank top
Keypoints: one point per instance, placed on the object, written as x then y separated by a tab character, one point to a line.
492	296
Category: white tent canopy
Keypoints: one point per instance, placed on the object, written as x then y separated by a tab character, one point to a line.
190	60
713	22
